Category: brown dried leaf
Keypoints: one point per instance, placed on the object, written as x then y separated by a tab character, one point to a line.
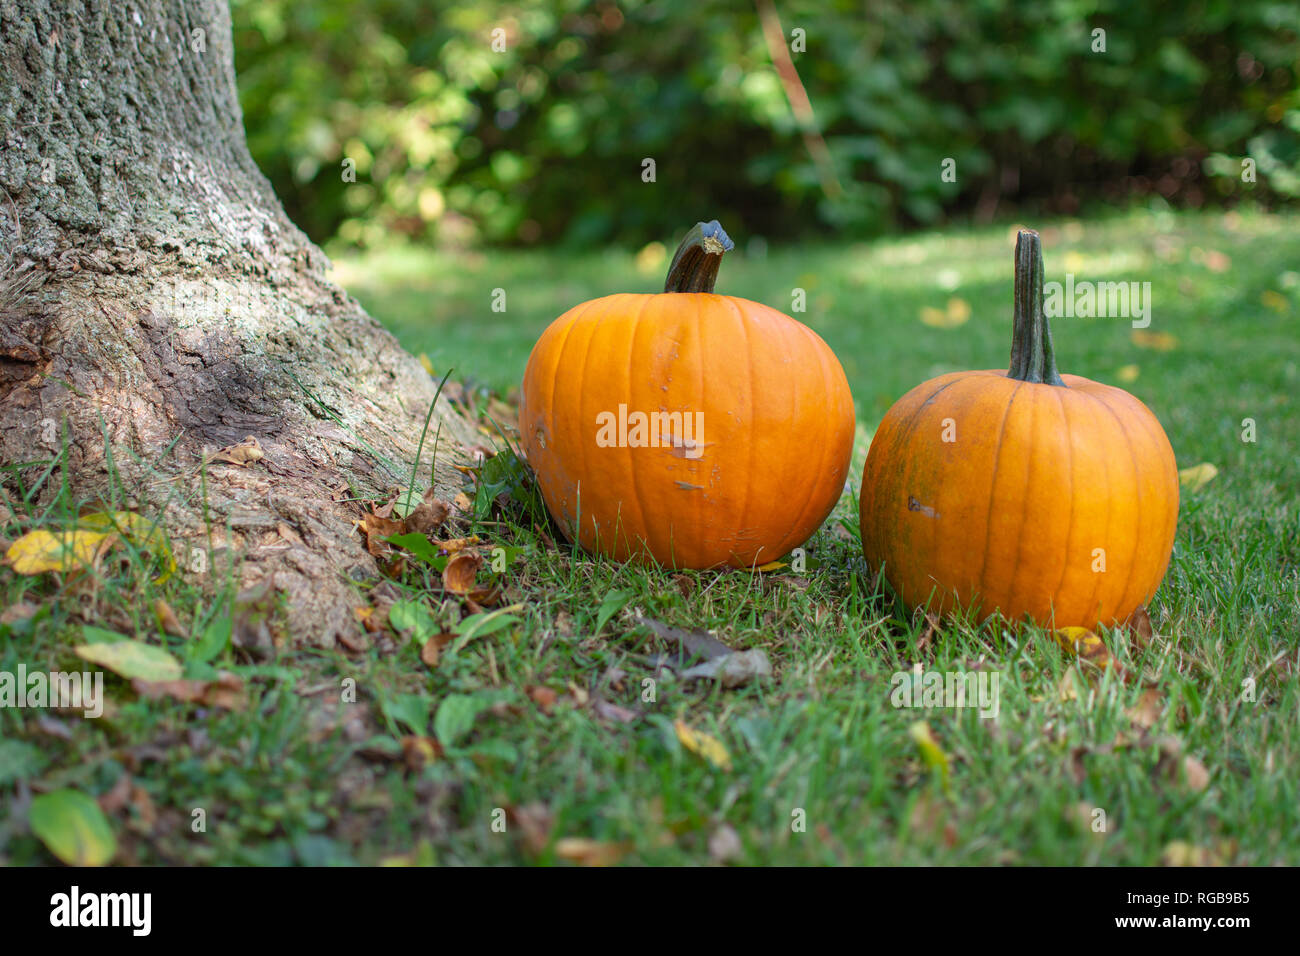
1139	627
1146	712
167	618
458	575
604	710
587	852
535	822
1194	772
377	529
428	516
418	752
244	454
225	692
432	649
543	697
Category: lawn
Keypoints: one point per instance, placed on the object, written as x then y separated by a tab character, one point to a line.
561	726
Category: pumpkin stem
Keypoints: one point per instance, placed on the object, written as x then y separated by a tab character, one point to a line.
1032	356
695	265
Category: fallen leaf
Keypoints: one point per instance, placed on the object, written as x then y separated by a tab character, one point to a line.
226	692
1197	476
167	618
1182	853
931	753
1147	711
609	711
377	529
463	502
20	611
587	852
428	516
535	822
244	453
543	697
39	551
458	575
1128	374
724	844
1275	301
705	745
132	659
72	827
1086	645
432	648
1160	341
695	643
1216	261
419	751
732	670
1139	627
1194	772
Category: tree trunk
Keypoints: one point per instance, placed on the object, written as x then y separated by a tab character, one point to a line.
156	304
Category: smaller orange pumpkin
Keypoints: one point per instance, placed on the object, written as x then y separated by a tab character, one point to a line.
696	429
1024	492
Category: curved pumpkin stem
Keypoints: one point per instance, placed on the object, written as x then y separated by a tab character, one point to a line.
1032	356
695	265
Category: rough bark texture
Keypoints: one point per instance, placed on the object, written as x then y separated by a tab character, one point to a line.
152	292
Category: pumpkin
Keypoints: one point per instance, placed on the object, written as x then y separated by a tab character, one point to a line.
694	429
1023	492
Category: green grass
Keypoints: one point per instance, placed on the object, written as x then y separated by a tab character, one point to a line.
302	776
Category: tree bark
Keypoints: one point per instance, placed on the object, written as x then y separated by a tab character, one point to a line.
156	304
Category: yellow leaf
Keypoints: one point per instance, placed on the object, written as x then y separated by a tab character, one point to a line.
1275	301
1084	643
771	566
144	534
132	659
958	311
1129	373
931	752
708	747
588	852
72	827
651	258
40	551
1160	341
1198	476
427	363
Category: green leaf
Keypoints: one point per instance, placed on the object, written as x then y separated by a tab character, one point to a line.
613	603
411	710
72	827
420	546
481	625
132	659
456	716
413	616
214	640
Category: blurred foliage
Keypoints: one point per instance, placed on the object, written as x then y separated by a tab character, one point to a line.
455	142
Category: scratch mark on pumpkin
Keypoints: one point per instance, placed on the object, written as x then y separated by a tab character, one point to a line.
914	505
687	486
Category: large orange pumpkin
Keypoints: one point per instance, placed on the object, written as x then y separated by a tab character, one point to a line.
1024	492
700	430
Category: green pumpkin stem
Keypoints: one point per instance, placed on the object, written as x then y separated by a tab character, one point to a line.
1032	356
695	265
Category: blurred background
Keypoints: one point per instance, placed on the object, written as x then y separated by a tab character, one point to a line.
521	170
543	143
